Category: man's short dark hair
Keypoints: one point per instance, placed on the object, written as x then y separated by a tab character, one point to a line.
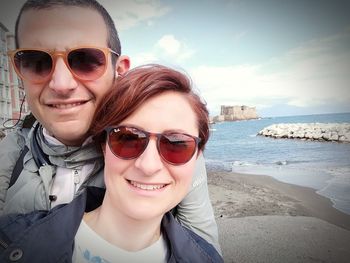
113	41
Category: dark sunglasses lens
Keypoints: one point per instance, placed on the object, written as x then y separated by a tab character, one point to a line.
127	143
87	63
33	64
177	148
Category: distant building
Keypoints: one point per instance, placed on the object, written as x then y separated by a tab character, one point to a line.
11	91
235	113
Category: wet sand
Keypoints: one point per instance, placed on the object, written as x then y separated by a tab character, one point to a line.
295	223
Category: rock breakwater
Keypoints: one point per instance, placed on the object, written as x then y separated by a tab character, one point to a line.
338	132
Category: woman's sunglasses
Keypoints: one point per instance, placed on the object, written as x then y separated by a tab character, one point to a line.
129	143
37	65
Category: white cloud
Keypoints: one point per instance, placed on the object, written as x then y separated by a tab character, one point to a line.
167	50
131	13
315	74
235	85
169	44
171	48
144	58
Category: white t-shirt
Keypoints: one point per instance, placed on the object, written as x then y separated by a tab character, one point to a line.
90	247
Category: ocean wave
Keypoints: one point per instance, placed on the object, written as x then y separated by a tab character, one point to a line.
242	163
217	165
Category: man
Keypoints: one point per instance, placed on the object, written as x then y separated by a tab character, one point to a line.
69	56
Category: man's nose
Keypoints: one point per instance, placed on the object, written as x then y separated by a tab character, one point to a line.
150	162
62	80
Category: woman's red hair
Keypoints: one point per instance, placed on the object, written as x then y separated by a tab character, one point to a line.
137	86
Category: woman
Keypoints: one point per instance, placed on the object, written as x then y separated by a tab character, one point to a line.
151	129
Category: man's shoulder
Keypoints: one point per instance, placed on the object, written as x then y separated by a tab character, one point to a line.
16	139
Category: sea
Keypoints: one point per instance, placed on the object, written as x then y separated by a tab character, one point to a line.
323	166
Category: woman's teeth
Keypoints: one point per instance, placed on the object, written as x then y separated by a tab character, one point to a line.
149	187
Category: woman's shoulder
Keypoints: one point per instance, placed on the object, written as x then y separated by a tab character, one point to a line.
13	225
184	243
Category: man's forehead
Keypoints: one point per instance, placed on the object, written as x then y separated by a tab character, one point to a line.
60	24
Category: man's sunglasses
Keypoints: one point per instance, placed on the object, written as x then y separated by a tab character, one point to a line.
129	143
37	65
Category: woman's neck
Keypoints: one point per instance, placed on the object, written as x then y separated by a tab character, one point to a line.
121	230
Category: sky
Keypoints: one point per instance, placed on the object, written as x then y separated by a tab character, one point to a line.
284	57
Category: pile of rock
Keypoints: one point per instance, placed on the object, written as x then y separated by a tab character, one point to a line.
339	132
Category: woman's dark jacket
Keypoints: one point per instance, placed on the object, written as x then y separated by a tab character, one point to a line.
48	236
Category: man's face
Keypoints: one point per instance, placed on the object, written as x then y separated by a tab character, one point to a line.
65	105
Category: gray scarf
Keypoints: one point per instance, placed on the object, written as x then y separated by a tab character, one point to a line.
72	157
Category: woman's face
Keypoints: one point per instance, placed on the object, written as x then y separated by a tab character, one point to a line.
147	187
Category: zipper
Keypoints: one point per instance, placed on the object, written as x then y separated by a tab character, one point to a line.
76	178
95	170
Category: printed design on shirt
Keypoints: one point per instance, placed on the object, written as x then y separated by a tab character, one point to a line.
89	257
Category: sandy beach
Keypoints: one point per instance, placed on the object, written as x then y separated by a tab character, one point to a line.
263	220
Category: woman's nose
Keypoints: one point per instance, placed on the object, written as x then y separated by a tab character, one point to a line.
150	161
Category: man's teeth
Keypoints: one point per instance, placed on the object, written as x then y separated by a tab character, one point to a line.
147	186
66	106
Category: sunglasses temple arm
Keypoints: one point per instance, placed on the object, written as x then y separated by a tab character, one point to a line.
115	53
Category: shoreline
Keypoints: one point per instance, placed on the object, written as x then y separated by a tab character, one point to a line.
261	219
240	195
